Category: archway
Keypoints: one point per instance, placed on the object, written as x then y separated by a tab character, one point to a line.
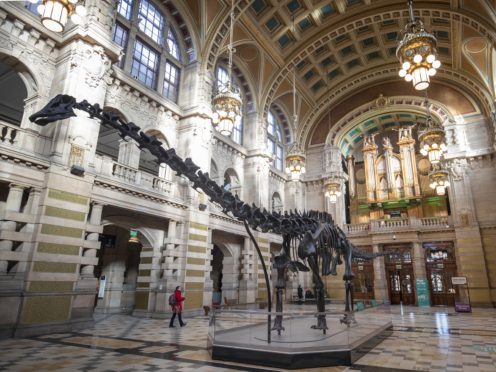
118	268
216	275
225	267
12	95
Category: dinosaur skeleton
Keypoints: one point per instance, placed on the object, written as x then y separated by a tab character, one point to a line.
312	236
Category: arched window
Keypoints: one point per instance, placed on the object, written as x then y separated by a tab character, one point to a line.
274	140
276	202
221	84
152	51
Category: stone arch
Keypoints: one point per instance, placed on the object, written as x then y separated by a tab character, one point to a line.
148	161
185	25
108	138
220	30
231	178
144	234
276	202
284	122
227	248
471	91
120	262
20	92
402	103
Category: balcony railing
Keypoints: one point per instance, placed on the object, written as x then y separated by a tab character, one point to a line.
109	168
399	224
22	139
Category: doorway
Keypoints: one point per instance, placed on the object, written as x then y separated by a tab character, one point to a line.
118	266
363	283
440	266
216	275
399	274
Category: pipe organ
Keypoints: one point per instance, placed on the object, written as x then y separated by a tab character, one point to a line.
390	175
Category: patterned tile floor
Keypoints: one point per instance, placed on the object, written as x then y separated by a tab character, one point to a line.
424	339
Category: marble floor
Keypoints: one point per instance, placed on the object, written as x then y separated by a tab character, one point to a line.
424	339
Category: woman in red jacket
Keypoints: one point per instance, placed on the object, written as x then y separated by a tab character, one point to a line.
177	308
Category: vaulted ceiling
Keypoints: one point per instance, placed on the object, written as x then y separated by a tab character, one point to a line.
340	48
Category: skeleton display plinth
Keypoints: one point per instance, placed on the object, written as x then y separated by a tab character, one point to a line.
241	336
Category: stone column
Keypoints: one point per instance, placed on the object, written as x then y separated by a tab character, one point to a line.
247	283
369	157
419	261
32	207
13	204
351	175
380	280
96	220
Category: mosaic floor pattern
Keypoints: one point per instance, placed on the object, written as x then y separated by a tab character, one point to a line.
424	339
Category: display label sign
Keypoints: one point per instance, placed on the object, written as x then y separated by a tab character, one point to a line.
101	288
463	308
422	289
459	280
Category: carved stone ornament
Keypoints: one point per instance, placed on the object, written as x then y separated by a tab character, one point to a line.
93	61
382	101
97	66
457	168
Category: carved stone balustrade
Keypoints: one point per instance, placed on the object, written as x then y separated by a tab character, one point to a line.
111	169
398	225
22	139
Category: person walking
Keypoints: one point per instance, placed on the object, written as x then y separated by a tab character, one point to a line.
177	307
300	293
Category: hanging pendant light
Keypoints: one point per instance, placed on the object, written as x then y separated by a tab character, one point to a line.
55	13
439	180
295	159
227	100
332	187
417	53
432	139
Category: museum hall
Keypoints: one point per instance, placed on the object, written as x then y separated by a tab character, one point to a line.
248	185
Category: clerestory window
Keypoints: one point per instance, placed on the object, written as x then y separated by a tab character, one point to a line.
274	141
152	52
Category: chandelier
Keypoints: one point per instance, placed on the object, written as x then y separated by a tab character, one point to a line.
332	189
295	162
55	13
432	139
295	159
227	100
417	53
439	180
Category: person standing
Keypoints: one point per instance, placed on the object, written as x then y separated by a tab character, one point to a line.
177	308
300	292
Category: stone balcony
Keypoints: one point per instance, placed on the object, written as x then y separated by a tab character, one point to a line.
399	224
108	168
24	140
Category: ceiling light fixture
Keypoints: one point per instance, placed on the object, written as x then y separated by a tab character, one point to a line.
332	189
227	100
439	179
55	13
417	52
432	138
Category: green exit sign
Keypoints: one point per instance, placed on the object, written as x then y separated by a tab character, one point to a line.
133	233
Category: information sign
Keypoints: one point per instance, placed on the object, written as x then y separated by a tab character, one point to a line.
459	280
422	290
101	288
